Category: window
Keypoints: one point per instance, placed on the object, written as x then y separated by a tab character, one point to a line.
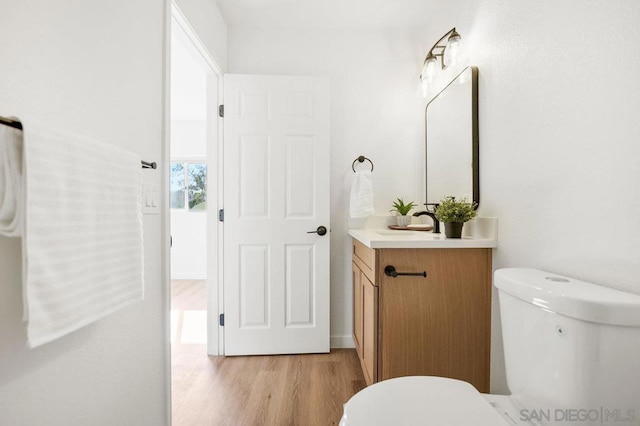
177	185
189	186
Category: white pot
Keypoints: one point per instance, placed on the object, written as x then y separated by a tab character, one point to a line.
403	221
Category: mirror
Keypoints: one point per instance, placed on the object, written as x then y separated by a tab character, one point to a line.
451	124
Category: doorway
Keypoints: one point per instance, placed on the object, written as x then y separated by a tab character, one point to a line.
285	164
194	181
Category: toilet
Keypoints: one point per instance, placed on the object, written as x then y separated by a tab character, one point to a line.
572	357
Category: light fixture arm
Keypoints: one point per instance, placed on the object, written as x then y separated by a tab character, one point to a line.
451	33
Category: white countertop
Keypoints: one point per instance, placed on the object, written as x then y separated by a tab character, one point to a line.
483	233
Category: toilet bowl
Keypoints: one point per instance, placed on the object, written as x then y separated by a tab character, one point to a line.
572	357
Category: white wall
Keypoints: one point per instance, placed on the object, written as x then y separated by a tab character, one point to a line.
94	68
559	131
189	249
205	18
189	138
375	111
189	96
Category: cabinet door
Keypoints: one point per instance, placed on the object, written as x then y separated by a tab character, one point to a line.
369	330
438	325
357	309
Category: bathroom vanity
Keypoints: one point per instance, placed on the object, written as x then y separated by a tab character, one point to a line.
422	302
435	322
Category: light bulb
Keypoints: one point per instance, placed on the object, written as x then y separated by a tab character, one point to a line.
429	68
428	71
452	49
424	85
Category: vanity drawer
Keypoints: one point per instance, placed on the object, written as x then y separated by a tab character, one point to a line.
365	258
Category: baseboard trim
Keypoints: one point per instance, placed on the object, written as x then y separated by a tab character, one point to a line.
189	277
340	342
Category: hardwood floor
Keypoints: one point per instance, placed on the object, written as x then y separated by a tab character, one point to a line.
258	390
189	295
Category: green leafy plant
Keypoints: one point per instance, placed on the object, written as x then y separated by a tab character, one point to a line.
451	210
402	208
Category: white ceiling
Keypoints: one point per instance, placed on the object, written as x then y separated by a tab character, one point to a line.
326	13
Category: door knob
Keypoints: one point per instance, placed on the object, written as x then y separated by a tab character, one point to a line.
320	231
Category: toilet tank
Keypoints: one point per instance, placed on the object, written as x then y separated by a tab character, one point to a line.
572	348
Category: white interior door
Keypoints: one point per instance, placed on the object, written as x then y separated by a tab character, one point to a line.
276	190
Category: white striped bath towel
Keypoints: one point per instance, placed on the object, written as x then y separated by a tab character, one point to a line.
82	248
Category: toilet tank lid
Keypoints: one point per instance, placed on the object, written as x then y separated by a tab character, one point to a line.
569	296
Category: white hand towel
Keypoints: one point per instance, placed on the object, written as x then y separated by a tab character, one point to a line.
11	205
82	245
361	202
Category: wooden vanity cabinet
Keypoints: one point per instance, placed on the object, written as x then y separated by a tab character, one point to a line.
435	326
365	320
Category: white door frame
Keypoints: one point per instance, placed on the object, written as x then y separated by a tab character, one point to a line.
214	190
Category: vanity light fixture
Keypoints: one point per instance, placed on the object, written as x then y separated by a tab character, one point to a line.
446	52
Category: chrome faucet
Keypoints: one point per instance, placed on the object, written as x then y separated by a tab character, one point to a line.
432	215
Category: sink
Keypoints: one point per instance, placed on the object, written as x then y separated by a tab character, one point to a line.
396	233
405	234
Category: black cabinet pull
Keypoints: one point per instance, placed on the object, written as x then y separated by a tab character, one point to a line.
390	271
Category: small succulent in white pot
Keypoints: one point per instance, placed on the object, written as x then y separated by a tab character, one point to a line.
402	210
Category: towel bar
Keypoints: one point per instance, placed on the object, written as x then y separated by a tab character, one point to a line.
18	125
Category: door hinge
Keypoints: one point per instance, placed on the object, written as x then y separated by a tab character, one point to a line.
221	215
222	320
221	110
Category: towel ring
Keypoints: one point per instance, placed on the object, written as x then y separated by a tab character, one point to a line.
360	159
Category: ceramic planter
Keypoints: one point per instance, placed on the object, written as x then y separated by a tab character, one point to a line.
453	229
403	221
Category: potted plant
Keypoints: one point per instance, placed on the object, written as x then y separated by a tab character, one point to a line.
402	209
454	214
